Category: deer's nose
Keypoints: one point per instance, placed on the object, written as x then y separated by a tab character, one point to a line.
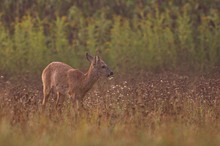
110	74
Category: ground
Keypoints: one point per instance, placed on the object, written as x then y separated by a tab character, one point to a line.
152	108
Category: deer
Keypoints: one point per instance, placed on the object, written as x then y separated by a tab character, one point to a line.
63	80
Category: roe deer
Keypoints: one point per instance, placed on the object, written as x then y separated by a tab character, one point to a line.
61	79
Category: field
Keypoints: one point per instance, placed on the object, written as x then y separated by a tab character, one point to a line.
166	61
158	109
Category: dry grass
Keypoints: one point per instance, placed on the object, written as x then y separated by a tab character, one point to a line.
155	109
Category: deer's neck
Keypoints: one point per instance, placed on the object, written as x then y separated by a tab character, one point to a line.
89	79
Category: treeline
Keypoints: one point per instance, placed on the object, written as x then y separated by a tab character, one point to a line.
129	34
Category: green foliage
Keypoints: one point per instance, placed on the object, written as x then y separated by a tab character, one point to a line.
29	49
144	36
5	48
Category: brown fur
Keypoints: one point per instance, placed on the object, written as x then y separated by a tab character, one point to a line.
63	80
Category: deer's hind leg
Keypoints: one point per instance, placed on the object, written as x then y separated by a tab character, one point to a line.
46	92
60	99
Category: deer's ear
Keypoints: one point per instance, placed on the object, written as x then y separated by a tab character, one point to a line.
89	57
97	59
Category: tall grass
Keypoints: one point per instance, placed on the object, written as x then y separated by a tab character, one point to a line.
166	110
152	35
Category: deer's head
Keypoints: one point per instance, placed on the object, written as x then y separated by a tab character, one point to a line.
99	66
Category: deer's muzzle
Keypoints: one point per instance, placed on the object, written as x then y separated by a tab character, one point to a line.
110	74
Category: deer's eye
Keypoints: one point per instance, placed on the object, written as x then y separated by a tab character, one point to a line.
103	66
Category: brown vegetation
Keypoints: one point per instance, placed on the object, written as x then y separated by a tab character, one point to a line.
153	109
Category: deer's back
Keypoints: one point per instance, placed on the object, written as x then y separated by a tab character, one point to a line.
57	66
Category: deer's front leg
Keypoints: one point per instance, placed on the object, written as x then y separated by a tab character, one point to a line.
80	104
72	98
76	104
